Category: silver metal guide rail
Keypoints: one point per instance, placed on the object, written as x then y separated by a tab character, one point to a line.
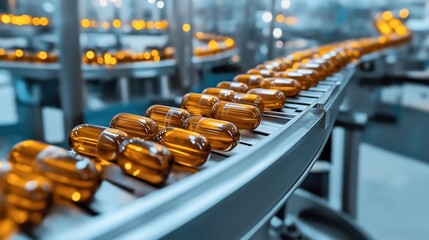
231	196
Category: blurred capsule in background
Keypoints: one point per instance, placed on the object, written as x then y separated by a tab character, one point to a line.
95	141
135	125
249	99
222	135
166	116
288	86
199	104
7	226
263	72
75	177
237	87
306	79
145	160
242	116
188	148
28	195
222	94
273	99
252	81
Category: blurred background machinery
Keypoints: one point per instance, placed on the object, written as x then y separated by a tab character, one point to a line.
67	62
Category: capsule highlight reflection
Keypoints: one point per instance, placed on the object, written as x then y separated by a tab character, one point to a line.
249	99
199	104
148	161
252	81
305	80
135	125
75	177
28	196
234	86
222	135
222	94
188	148
95	141
288	86
273	99
7	226
263	72
241	115
166	116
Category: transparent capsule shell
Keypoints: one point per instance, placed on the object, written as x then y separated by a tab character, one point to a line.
166	116
135	125
273	99
263	72
222	94
237	87
222	135
95	141
306	80
288	86
252	81
188	148
249	99
242	116
145	160
199	104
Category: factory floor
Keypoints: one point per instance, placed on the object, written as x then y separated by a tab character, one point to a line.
393	197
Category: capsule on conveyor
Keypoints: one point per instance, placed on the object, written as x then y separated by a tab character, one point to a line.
166	116
28	195
74	177
252	81
319	68
222	94
288	86
199	104
273	99
222	135
234	86
95	141
135	125
263	72
188	148
7	226
145	160
305	79
249	99
242	116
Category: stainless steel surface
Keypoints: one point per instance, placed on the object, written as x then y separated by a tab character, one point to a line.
260	174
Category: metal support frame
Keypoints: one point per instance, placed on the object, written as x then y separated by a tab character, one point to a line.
71	82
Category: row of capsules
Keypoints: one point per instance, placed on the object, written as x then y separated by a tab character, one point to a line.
146	147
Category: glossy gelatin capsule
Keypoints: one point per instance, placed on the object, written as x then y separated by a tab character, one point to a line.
249	99
145	160
28	195
188	148
135	125
166	116
288	86
199	104
252	81
222	94
242	116
222	135
304	79
7	227
263	72
319	68
95	141
273	99
234	86
74	177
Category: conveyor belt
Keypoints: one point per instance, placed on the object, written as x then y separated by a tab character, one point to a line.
229	196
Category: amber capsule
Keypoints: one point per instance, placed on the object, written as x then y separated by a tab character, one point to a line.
222	135
96	141
305	80
328	63
148	161
28	195
273	99
249	99
263	72
135	125
242	116
166	116
252	81
7	226
199	104
319	68
188	148
74	177
234	86
288	86
271	65
222	94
